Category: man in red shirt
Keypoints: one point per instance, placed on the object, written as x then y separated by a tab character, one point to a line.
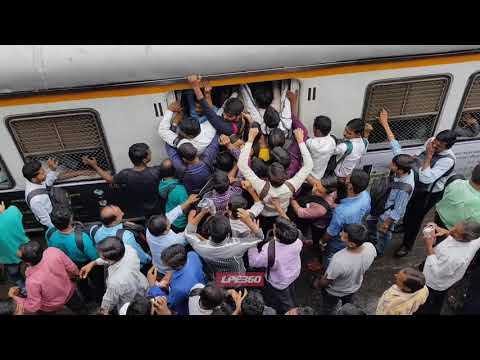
49	282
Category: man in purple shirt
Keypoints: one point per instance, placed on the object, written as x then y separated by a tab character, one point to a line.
193	170
279	290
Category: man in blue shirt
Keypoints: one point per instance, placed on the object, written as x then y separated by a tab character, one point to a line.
351	210
187	272
111	217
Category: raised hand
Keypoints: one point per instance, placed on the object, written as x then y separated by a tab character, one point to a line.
298	135
175	107
52	164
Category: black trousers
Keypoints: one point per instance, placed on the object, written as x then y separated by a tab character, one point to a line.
418	206
280	300
434	303
330	301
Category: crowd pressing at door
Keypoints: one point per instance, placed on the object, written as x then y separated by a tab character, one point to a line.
246	186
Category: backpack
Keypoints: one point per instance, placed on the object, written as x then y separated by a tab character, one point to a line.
333	162
79	229
58	197
324	221
380	191
421	187
164	197
138	232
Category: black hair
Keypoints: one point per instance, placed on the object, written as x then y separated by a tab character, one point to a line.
167	169
138	152
187	151
190	127
219	228
271	117
223	309
286	231
277	174
211	296
476	174
259	168
225	161
61	217
111	248
253	304
237	202
233	106
220	182
306	310
7	307
157	224
262	94
359	180
276	138
404	162
280	155
414	279
357	233
174	256
323	124
140	305
357	126
448	137
31	252
31	169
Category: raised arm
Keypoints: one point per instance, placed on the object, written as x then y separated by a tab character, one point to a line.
293	98
92	162
307	167
394	144
176	160
246	171
164	131
210	153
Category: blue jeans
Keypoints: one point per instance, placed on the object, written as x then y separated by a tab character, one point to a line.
190	97
379	239
14	275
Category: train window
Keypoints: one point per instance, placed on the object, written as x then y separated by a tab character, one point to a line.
65	136
467	123
6	181
414	106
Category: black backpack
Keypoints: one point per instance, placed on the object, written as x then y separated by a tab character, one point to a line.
421	187
79	229
137	230
58	197
333	162
324	221
380	191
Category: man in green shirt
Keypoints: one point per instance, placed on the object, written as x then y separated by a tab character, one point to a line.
12	236
174	192
461	201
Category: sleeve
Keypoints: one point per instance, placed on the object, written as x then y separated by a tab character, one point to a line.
315	211
191	235
336	224
176	160
33	300
334	270
256	258
164	131
401	201
173	214
89	247
396	147
429	175
40	212
70	266
51	177
297	124
256	208
129	239
211	151
340	149
250	106
217	122
235	153
306	169
246	171
99	261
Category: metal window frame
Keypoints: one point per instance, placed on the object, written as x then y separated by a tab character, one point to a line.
46	114
447	76
461	107
9	175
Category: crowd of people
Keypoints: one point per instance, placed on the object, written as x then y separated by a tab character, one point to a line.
246	186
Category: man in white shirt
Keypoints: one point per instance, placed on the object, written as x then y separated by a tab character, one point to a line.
322	146
447	262
190	130
344	275
203	299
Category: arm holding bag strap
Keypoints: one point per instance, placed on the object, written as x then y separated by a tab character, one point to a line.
79	240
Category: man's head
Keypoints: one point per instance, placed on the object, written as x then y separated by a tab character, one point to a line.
271	117
111	249
111	215
189	127
410	280
466	231
236	202
357	182
277	174
139	154
174	256
166	169
354	129
280	155
219	228
259	168
475	178
276	138
140	305
62	218
322	125
187	152
225	161
253	304
402	164
211	296
262	94
444	140
286	231
354	235
34	172
233	109
30	253
158	225
220	182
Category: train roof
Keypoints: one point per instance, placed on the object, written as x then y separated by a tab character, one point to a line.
40	68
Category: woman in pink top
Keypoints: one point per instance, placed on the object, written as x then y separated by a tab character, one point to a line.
49	281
